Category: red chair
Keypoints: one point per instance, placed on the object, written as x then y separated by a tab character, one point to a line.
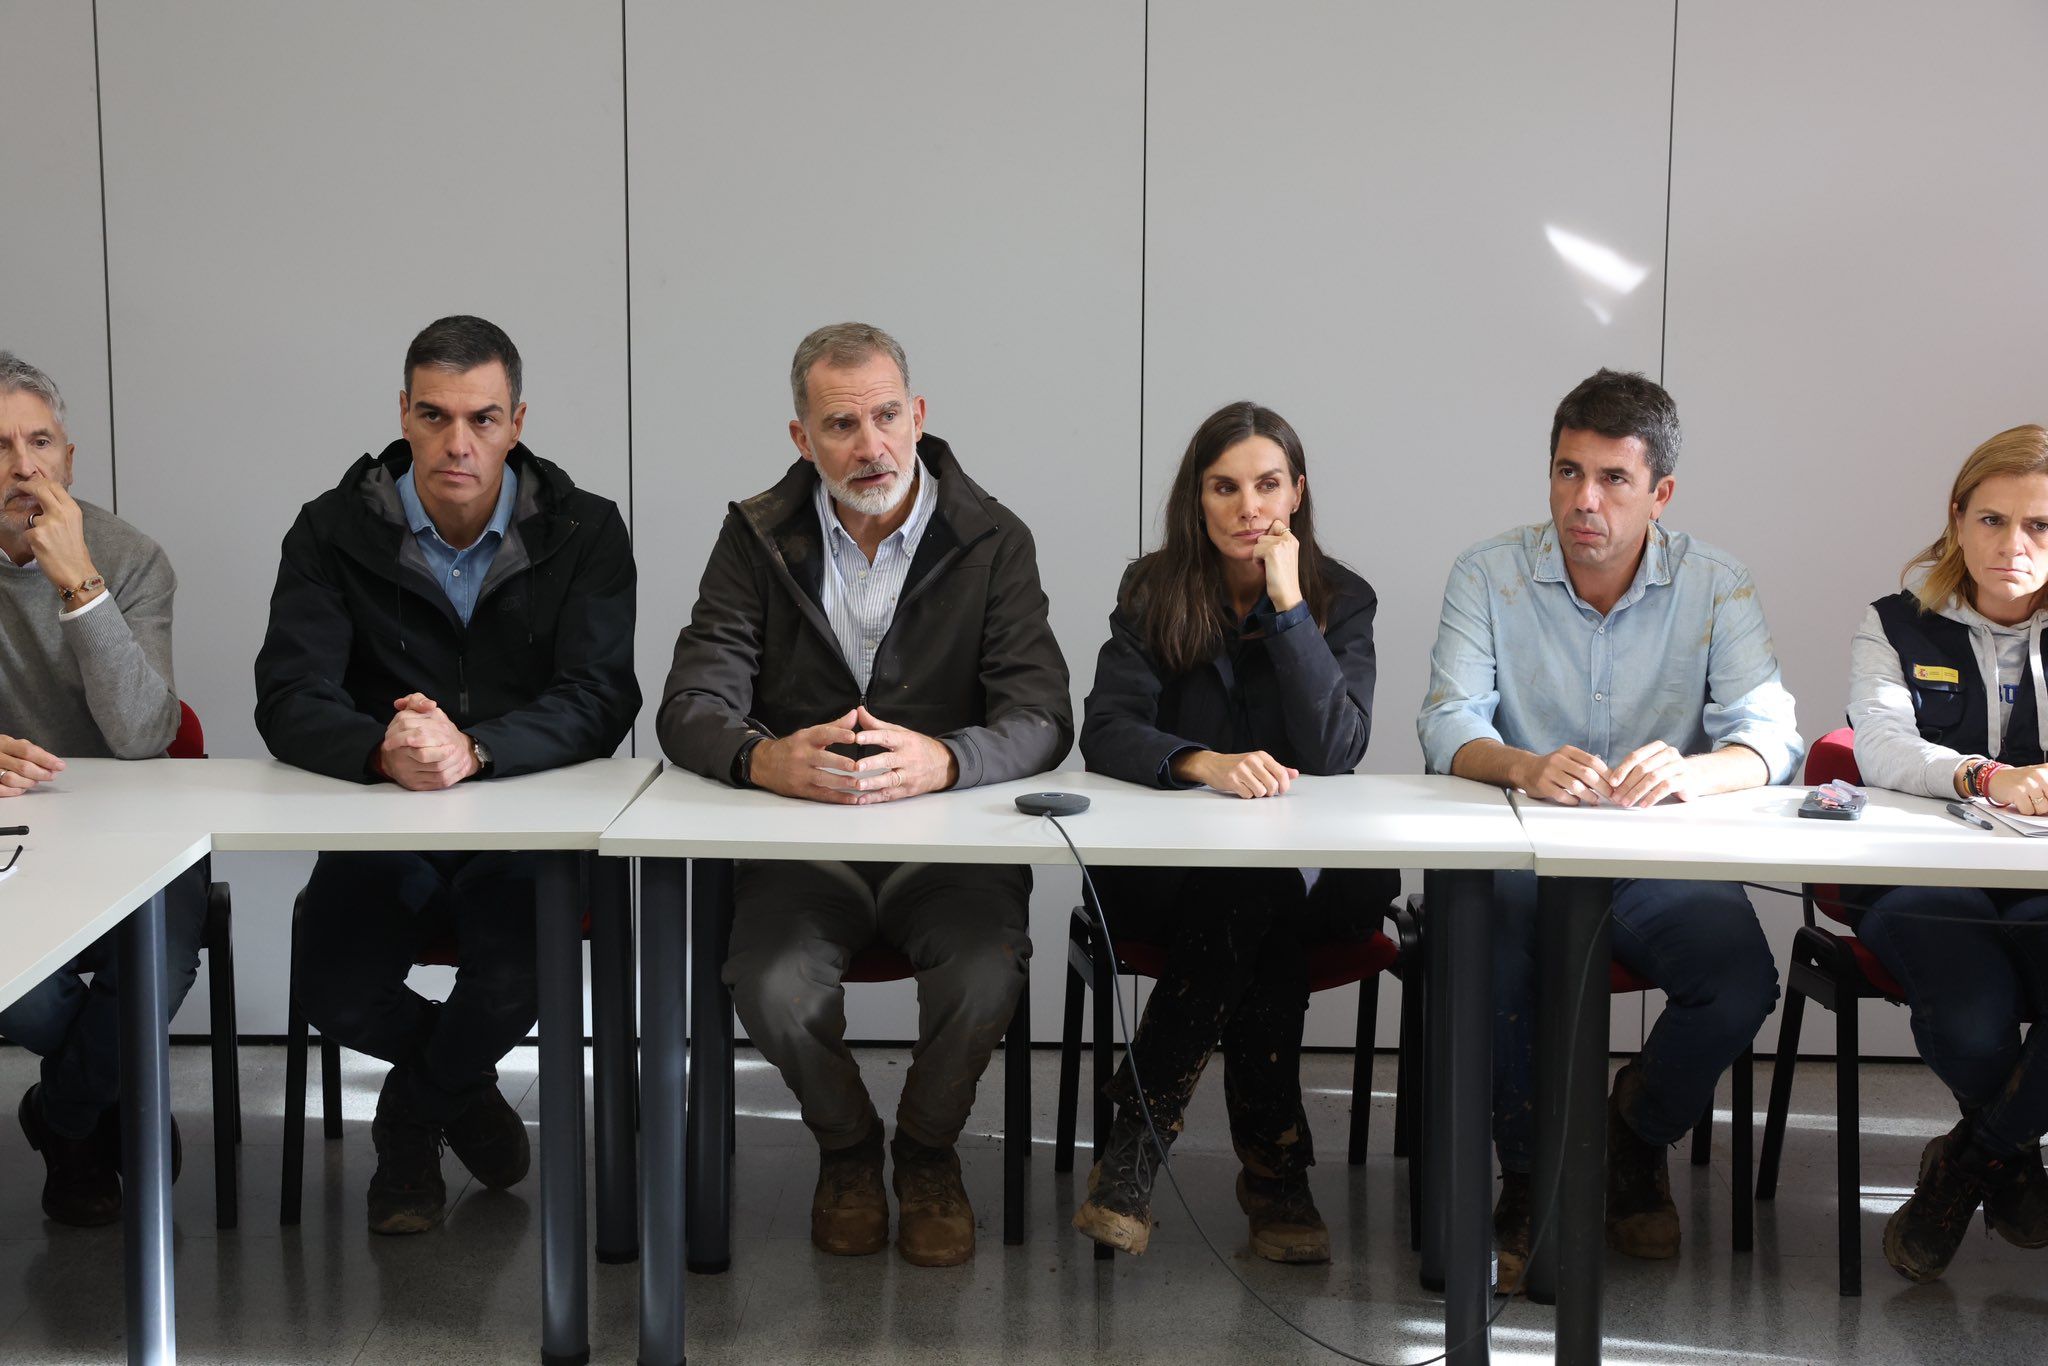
1336	963
218	941
1837	971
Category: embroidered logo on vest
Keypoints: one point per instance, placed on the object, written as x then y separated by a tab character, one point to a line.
1935	673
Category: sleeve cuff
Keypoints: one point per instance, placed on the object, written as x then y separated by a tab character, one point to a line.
1277	622
75	613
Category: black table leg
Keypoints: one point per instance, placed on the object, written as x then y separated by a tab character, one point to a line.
146	1138
1556	978
1462	997
664	1021
564	1273
1437	1088
1573	1135
710	1128
611	1009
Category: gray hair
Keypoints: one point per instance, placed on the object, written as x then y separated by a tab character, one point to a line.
840	345
17	376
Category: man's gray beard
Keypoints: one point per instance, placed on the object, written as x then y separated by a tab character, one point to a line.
879	503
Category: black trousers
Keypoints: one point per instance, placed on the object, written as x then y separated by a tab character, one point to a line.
1237	942
370	916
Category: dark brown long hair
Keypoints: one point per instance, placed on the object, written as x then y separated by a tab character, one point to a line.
1177	595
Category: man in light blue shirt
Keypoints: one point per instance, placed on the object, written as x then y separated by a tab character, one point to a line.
1599	659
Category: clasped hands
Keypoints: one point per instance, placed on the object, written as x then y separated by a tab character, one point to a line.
422	749
803	764
1572	777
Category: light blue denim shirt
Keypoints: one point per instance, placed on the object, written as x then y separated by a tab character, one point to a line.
459	572
1684	657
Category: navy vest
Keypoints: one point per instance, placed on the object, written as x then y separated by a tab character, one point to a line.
1948	690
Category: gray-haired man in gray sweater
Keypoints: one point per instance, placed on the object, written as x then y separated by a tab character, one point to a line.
85	672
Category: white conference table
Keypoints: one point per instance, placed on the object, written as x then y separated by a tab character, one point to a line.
69	888
1460	831
249	805
1754	835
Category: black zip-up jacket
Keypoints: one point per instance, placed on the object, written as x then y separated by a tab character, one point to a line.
969	657
1302	695
543	674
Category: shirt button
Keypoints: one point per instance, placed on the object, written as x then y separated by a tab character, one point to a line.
456	572
1599	697
1603	630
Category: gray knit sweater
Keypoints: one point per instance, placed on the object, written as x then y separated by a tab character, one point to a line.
99	685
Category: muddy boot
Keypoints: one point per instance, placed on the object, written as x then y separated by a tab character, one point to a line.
80	1187
1118	1210
849	1213
1511	1232
1285	1224
1641	1220
490	1139
935	1224
1924	1233
407	1194
2016	1204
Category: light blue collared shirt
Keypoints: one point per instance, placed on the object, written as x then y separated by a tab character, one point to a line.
459	572
860	598
1683	657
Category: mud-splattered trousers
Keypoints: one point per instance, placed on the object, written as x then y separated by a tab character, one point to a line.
796	927
1236	977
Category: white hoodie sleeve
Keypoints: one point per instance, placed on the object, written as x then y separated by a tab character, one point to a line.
1889	750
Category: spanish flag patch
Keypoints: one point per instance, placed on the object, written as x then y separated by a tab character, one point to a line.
1935	673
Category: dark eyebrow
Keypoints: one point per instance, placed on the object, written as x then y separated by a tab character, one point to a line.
488	409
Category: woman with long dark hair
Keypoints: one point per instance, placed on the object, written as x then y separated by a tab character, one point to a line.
1949	700
1239	657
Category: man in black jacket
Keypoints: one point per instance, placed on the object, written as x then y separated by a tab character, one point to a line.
455	608
870	628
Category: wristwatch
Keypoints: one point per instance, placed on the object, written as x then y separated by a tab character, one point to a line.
743	762
483	757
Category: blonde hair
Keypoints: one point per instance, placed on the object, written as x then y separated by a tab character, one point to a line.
2017	450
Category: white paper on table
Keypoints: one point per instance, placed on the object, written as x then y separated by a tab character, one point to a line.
2029	826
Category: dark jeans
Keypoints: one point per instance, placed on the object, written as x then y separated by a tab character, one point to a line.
1236	974
369	917
75	1025
1972	974
1698	941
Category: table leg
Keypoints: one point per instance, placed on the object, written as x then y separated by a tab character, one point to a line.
1459	910
710	1129
1574	912
1557	968
664	1020
1437	1088
564	1274
611	1008
146	1138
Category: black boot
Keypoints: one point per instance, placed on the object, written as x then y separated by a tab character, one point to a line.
407	1194
2016	1205
1118	1210
80	1187
490	1139
1924	1233
1642	1221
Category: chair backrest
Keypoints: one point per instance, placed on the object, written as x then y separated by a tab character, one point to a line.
1832	757
190	741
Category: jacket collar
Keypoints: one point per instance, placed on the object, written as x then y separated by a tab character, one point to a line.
376	529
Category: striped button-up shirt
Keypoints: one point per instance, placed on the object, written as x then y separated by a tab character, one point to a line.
860	597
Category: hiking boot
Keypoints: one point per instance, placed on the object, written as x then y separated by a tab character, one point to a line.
1118	1210
1924	1233
80	1187
849	1213
2016	1203
934	1222
1641	1220
1511	1222
490	1139
1285	1224
407	1194
107	1134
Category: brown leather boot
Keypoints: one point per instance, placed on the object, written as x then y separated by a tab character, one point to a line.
1511	1232
1641	1219
849	1213
935	1224
1118	1210
1286	1226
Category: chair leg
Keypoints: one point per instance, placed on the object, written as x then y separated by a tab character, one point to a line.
330	1088
1016	1115
293	1184
1848	1155
1741	1133
220	994
1361	1066
1067	1111
1786	1062
1404	1100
